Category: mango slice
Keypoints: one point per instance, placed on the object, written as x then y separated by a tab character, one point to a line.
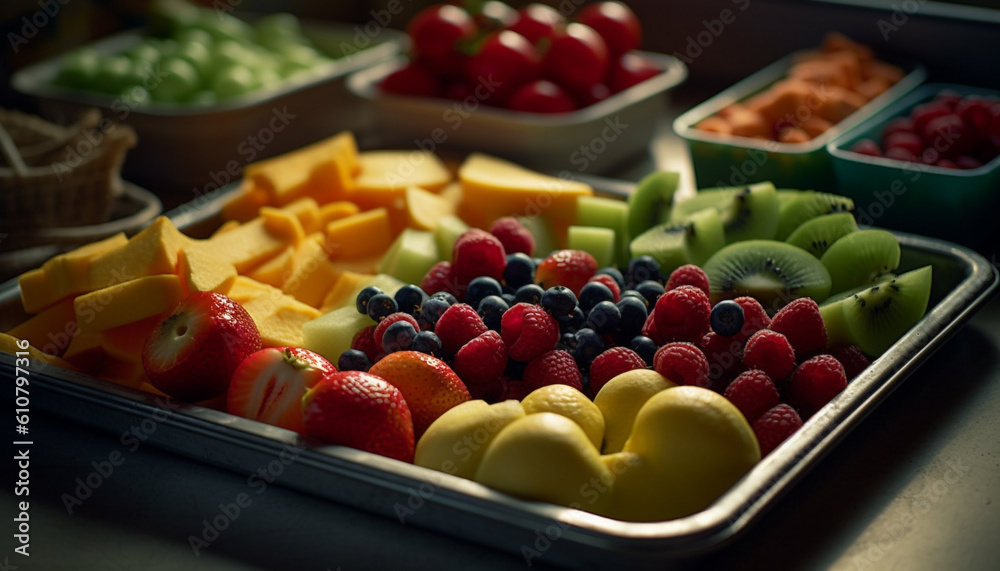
362	235
127	302
274	271
201	270
63	275
323	171
279	317
51	330
245	203
339	294
9	344
335	211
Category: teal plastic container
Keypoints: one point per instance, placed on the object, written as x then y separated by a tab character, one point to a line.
954	204
725	160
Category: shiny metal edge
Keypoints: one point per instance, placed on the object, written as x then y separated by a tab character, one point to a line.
461	507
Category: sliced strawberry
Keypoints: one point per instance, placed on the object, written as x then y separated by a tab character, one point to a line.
269	385
192	354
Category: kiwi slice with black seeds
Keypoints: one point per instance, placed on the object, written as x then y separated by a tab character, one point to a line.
747	212
879	316
690	242
817	235
651	202
773	272
808	205
861	258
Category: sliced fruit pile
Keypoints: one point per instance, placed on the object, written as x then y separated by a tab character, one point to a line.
821	89
532	60
371	300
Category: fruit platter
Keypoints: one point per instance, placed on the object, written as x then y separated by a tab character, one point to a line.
468	344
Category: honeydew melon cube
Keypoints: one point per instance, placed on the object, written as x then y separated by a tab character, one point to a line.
606	213
600	242
331	334
412	254
446	234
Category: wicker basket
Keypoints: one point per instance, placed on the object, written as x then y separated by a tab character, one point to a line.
53	176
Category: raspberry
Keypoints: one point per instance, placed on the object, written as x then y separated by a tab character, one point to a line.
480	363
571	268
552	368
477	253
754	393
770	352
439	278
515	389
513	235
682	314
774	426
853	360
816	381
458	325
725	357
802	324
689	274
754	317
389	320
611	363
611	284
364	341
682	363
528	331
649	328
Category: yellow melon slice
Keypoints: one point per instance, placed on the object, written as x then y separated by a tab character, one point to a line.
127	302
51	330
340	293
335	211
201	270
13	345
244	203
424	209
125	342
275	271
364	234
311	273
323	171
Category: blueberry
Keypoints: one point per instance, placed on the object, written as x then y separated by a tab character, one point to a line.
364	296
615	274
588	346
519	271
593	293
427	342
635	294
643	268
531	293
651	290
431	311
491	309
727	318
481	288
398	336
447	296
353	360
509	298
381	305
604	317
409	298
558	300
644	347
567	342
633	316
572	322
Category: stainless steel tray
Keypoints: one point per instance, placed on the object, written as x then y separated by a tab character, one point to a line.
963	282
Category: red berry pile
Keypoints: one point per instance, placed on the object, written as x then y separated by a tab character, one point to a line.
534	59
950	131
508	323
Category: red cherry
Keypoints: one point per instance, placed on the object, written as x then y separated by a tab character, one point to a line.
537	21
948	97
909	141
595	94
506	61
631	69
976	114
577	58
946	164
494	15
867	147
434	33
541	97
967	162
947	135
901	154
922	114
896	125
411	79
616	23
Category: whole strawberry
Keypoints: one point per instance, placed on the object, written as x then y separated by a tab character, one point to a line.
362	411
192	354
428	384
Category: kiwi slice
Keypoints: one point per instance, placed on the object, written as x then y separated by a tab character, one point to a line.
651	201
808	205
815	236
786	195
837	296
747	212
716	198
880	315
860	258
689	242
773	272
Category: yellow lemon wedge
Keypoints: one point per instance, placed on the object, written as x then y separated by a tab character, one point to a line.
571	403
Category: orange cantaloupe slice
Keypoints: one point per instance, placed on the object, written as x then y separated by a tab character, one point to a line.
127	302
244	203
275	271
340	293
201	270
362	235
335	211
324	171
126	342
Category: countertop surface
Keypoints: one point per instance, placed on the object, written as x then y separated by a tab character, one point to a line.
912	487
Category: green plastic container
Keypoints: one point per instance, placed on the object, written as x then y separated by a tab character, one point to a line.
957	205
725	160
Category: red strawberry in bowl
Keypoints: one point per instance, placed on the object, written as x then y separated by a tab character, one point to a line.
269	385
362	411
192	354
